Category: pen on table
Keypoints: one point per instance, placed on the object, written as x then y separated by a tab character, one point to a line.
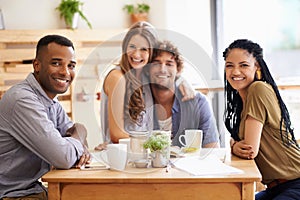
169	167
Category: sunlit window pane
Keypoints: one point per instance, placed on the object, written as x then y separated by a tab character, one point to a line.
274	24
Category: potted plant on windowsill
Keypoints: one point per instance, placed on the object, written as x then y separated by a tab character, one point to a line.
138	12
159	145
70	10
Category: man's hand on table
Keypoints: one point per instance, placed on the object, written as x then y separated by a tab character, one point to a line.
79	132
84	159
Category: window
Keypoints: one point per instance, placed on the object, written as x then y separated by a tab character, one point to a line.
274	25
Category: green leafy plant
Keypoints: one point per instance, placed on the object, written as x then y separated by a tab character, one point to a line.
157	142
68	8
139	8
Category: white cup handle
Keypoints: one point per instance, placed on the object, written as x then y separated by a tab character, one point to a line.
180	140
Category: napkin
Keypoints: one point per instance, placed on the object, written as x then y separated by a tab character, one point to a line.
210	165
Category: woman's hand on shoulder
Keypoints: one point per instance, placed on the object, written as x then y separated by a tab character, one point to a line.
186	89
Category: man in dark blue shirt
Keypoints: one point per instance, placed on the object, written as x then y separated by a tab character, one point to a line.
170	112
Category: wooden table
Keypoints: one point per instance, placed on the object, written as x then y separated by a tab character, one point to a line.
153	183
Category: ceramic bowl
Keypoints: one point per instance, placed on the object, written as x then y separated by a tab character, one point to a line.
143	163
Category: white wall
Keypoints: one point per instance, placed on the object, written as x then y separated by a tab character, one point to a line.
41	14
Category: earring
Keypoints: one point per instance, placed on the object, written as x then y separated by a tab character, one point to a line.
258	74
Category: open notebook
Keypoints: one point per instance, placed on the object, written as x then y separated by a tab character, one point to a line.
209	165
96	162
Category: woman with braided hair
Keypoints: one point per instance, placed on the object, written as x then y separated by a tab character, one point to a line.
259	122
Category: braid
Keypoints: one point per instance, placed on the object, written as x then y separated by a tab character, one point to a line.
233	110
234	103
285	116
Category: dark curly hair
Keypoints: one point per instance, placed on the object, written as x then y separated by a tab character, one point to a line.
167	46
234	104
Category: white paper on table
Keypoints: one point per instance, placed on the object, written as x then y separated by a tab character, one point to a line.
210	165
97	161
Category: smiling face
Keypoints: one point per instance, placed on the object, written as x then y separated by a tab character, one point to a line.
163	71
240	68
55	68
138	51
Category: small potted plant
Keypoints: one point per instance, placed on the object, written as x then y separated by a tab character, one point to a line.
70	10
159	145
138	12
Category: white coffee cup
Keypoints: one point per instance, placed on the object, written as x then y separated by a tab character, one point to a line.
116	156
192	137
125	141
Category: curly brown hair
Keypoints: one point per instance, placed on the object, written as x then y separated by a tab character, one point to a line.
134	89
168	46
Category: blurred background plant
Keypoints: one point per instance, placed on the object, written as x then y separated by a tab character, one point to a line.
69	11
137	12
138	8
